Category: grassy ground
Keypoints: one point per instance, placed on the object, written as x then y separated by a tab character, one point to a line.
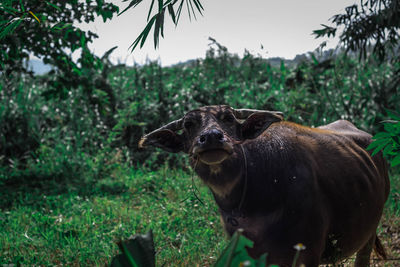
77	224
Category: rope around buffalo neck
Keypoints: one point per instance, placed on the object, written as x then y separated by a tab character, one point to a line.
194	187
239	208
245	179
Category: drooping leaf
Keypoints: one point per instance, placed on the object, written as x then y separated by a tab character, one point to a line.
10	27
137	251
199	6
132	4
172	13
150	9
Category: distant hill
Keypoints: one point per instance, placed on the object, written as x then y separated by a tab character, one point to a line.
276	61
39	68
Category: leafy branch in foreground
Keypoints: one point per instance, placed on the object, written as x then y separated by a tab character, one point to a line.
138	251
47	30
388	141
157	20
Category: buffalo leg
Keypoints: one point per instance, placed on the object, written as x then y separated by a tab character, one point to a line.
363	255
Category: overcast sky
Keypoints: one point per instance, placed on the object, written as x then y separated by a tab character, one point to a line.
282	27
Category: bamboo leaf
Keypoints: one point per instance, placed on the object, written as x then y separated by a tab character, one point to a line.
133	3
188	9
179	11
198	6
53	5
33	15
10	10
172	13
193	11
10	27
162	22
147	30
143	35
151	8
160	6
157	27
22	6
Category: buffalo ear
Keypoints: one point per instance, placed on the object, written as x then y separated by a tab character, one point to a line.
258	122
164	139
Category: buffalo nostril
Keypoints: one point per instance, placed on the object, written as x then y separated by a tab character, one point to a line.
202	139
220	136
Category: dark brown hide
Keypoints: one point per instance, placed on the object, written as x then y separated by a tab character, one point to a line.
285	184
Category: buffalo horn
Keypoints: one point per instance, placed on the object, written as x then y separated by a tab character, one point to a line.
243	114
172	126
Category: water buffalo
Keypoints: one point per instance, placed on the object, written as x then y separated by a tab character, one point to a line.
284	183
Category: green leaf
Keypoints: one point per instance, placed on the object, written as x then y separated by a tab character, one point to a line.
393	114
198	6
388	150
133	3
326	31
191	6
22	6
179	11
172	13
160	6
53	5
147	30
10	27
235	253
380	147
10	10
188	9
389	127
396	160
381	135
83	40
143	35
61	26
150	9
379	141
108	52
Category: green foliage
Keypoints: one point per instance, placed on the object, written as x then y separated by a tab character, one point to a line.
49	31
235	254
374	22
157	20
138	251
388	141
73	133
46	137
79	223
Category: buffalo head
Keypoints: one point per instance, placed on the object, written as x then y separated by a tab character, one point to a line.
209	134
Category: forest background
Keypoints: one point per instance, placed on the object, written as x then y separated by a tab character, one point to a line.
72	180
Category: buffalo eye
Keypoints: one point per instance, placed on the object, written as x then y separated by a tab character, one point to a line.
188	124
228	118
